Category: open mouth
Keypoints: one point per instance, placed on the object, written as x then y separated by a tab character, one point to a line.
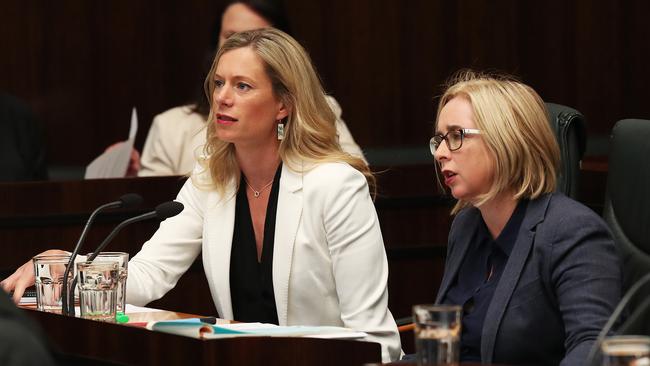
225	119
448	174
449	177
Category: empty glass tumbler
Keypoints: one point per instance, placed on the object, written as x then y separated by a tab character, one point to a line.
48	272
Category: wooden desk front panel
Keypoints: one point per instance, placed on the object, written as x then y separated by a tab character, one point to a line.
137	346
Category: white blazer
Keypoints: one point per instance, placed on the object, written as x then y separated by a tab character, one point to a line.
177	136
329	261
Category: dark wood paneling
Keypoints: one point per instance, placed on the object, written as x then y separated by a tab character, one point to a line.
384	60
82	65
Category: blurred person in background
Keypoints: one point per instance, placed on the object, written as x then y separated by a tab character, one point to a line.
22	143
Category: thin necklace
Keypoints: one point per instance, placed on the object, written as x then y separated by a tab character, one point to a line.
256	192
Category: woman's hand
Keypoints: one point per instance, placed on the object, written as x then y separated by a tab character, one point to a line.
24	277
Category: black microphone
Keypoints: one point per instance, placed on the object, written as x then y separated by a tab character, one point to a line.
162	212
617	314
128	200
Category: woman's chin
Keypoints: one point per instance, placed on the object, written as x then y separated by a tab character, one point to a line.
458	194
225	136
463	196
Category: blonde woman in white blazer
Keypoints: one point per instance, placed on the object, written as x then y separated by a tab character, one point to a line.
273	165
269	116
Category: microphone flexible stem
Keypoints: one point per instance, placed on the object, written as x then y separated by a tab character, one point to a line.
615	315
66	302
110	237
118	228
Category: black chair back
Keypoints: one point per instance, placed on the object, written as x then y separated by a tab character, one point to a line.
627	198
570	131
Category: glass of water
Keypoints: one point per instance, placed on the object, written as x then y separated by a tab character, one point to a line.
97	283
437	334
48	272
123	262
626	350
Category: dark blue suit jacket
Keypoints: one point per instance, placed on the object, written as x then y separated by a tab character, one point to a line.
558	288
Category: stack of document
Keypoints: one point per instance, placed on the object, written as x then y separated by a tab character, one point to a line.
195	328
27	300
114	162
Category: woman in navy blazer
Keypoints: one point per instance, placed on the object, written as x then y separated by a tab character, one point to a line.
537	273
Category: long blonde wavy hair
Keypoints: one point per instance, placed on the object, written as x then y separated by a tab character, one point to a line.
310	132
514	125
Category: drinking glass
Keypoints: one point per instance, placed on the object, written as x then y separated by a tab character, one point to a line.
97	282
123	262
626	351
437	334
48	273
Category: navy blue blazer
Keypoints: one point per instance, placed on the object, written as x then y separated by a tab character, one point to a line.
558	288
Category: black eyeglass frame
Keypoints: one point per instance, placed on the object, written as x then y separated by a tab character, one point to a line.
436	140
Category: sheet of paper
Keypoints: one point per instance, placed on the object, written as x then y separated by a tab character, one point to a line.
27	300
295	330
195	328
130	309
114	162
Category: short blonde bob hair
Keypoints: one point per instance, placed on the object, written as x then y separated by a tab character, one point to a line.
514	125
310	131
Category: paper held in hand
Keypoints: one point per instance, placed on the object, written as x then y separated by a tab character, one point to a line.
114	162
195	328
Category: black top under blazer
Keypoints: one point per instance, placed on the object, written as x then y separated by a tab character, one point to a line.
558	288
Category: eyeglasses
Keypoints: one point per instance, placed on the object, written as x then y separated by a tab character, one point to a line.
453	138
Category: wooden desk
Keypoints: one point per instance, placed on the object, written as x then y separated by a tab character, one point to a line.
138	346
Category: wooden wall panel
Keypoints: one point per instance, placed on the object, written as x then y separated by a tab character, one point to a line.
82	65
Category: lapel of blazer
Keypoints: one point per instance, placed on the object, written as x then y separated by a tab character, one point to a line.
457	253
288	215
220	225
535	213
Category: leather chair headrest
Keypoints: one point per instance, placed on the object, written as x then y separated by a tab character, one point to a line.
628	182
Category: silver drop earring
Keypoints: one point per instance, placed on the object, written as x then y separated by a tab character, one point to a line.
280	130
